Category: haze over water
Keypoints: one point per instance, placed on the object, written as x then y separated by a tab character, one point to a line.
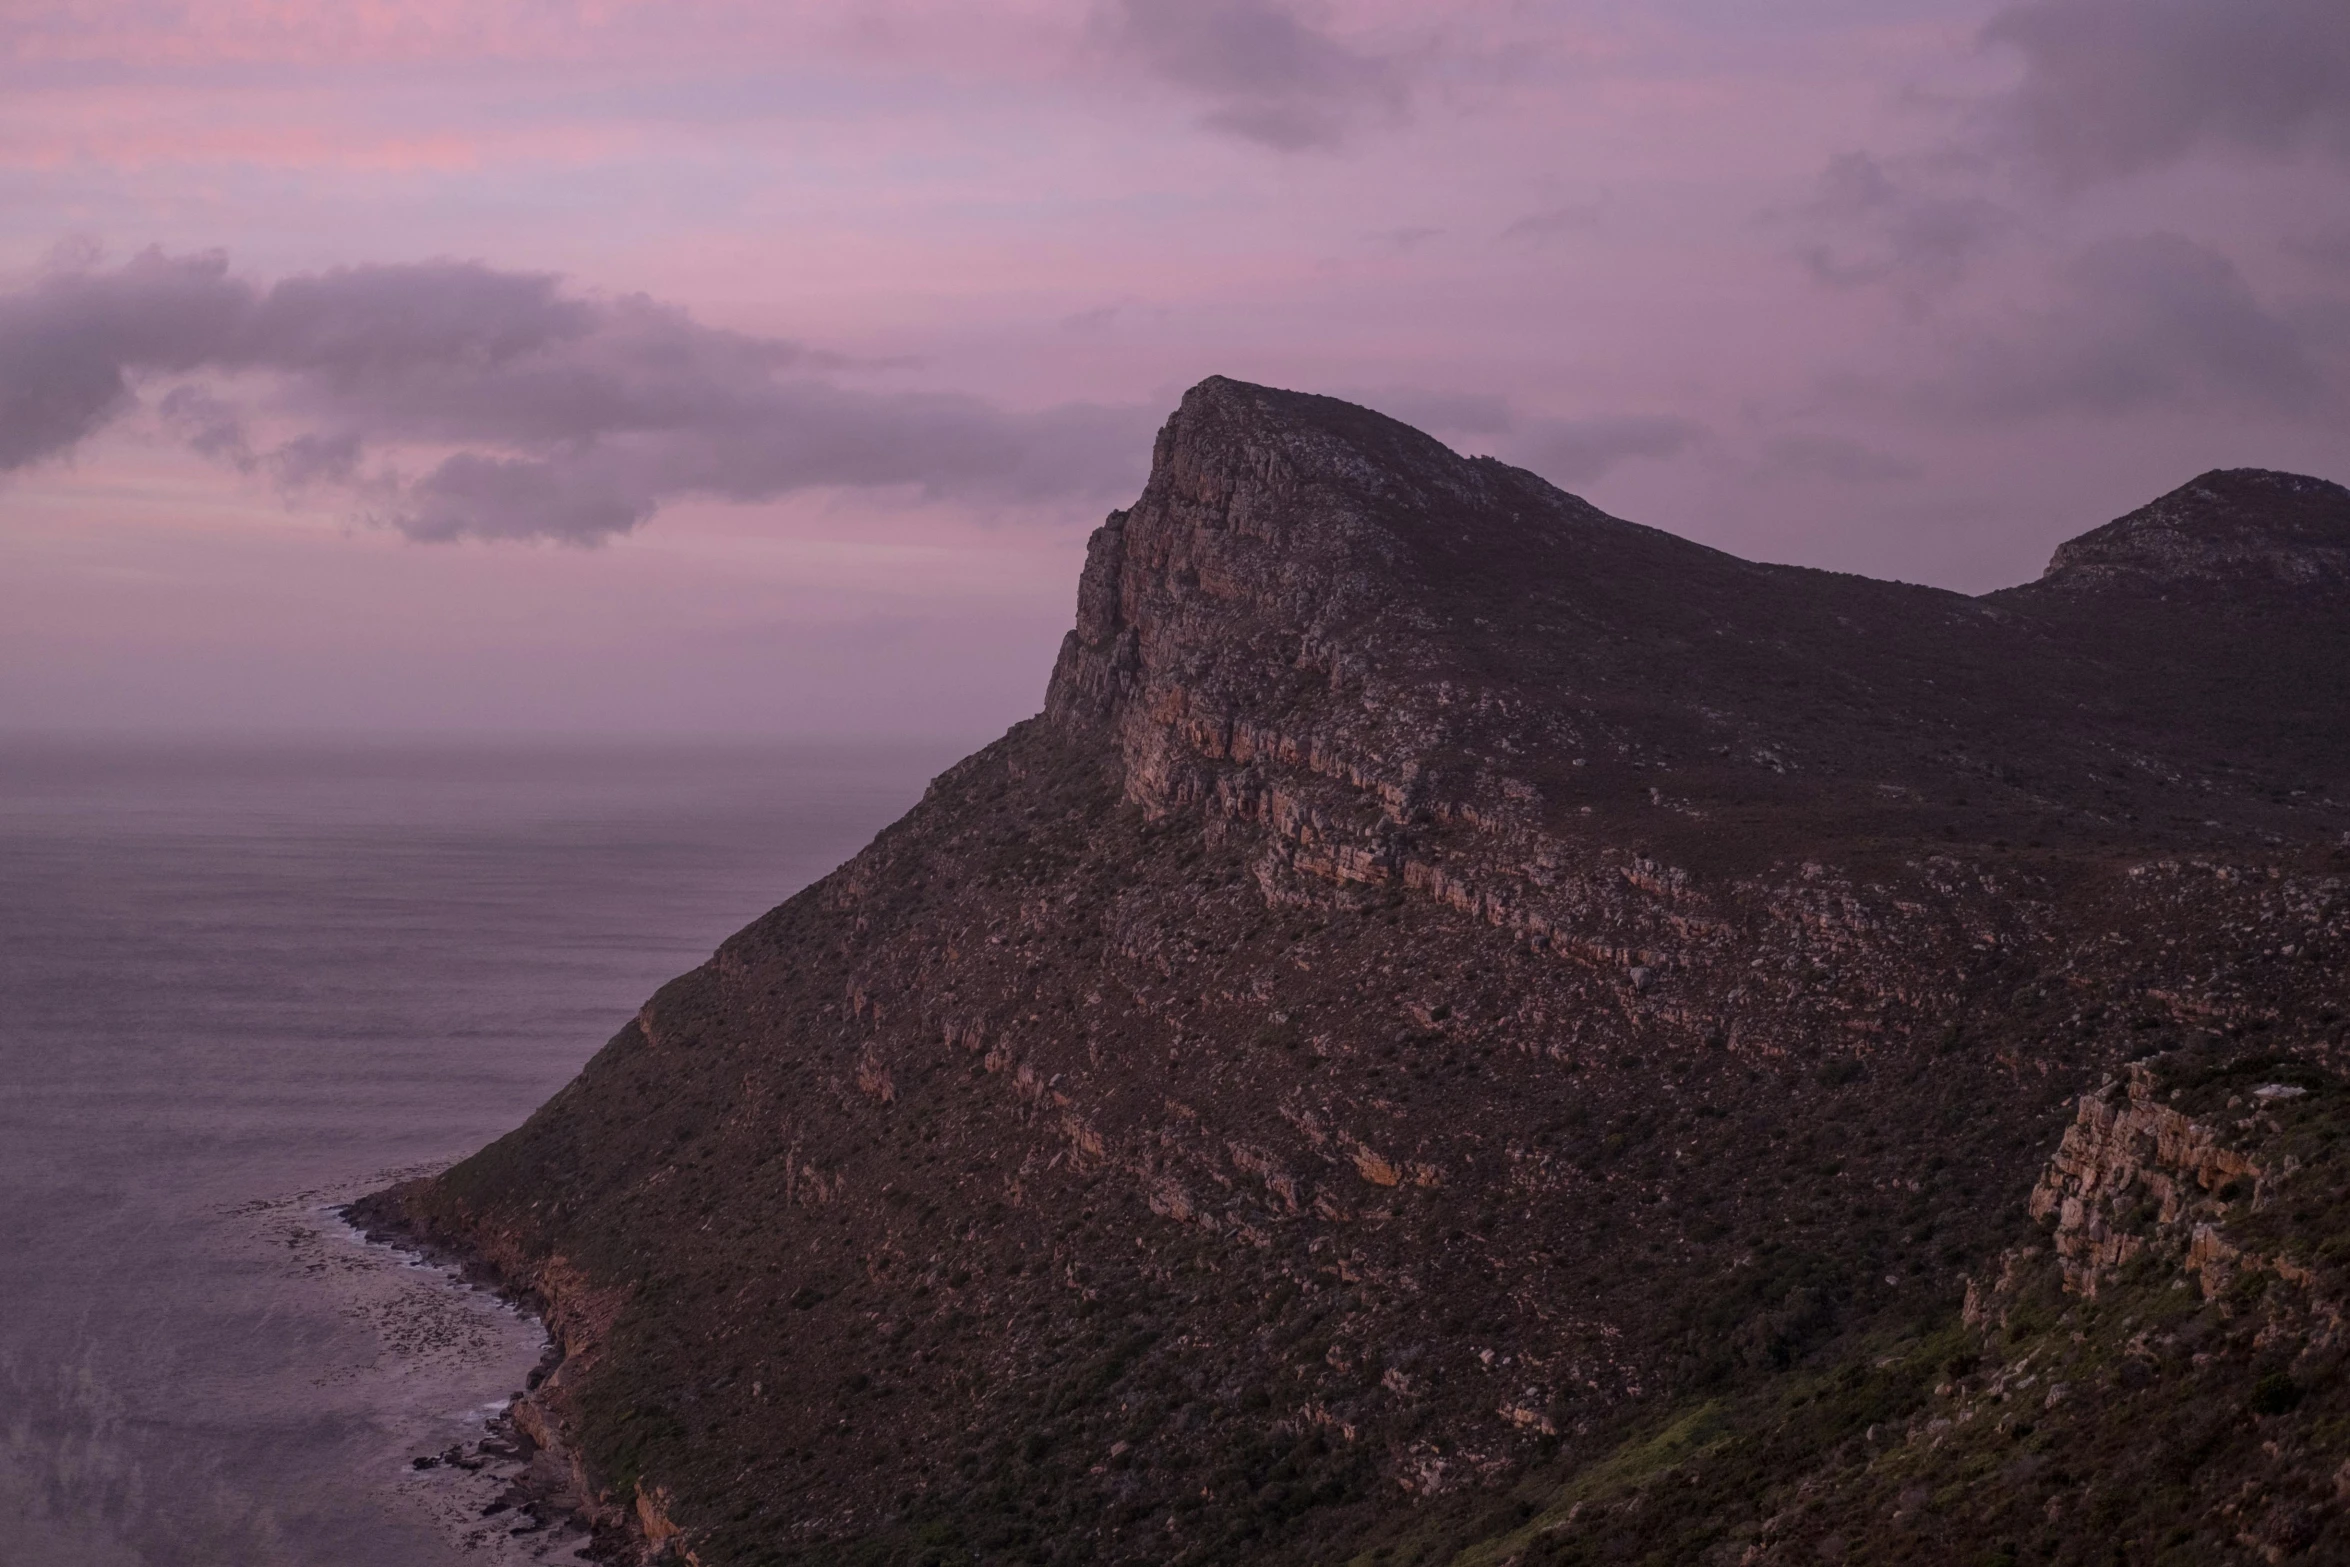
238	984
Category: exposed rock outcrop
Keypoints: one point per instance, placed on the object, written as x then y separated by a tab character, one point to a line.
2231	529
2126	1167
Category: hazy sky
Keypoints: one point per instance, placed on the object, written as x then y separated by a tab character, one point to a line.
759	367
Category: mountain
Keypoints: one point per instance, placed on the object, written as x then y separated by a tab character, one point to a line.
1470	1029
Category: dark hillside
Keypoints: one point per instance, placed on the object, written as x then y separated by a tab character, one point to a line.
1466	1019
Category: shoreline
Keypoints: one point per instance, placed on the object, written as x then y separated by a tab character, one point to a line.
464	1454
524	1455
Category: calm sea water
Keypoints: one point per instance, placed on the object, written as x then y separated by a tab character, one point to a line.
238	985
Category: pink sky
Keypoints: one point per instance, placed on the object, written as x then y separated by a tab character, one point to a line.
758	368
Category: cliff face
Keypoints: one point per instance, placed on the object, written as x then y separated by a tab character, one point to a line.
1451	978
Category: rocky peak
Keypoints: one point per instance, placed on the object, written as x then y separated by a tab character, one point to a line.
1280	574
1304	580
1268	512
1312	607
2238	528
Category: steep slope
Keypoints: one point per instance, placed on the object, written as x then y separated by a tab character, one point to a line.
1450	976
2159	1379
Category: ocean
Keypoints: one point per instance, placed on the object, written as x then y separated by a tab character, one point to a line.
241	984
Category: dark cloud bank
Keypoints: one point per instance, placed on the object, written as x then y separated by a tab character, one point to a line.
1878	230
2130	322
2147	321
547	415
2111	87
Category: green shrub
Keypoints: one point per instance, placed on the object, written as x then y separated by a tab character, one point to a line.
2276	1394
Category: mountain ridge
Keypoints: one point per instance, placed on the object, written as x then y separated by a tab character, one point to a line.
1450	979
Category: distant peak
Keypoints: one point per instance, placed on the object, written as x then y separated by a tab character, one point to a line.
2231	528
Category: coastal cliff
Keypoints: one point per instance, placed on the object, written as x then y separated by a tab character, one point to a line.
1458	1009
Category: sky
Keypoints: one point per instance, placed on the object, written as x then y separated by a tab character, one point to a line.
757	369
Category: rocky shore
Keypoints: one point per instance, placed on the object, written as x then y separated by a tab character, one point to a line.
516	1492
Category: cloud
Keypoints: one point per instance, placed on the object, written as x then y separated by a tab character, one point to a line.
2136	321
1565	451
1583	451
2152	321
2327	250
66	343
1802	456
1439	413
1580	451
119	34
1539	228
1089	323
1269	73
541	413
1402	241
2111	87
1881	231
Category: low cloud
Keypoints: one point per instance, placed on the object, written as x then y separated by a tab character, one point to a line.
1564	451
1269	72
540	413
2107	89
2111	87
1581	451
1873	229
2152	321
1540	228
2328	250
1834	458
1449	414
1402	241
